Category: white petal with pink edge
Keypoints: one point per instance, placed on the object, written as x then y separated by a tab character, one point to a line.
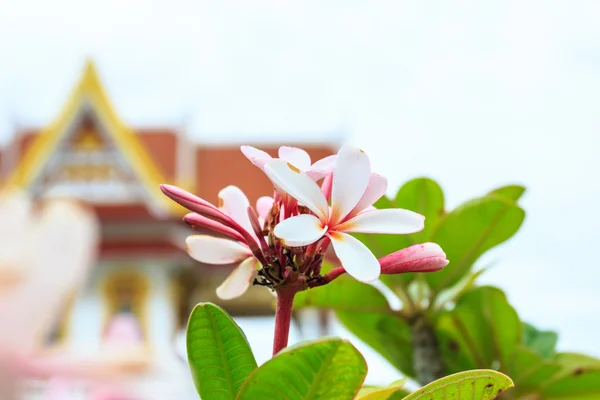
263	206
214	250
295	156
239	280
390	220
256	156
355	257
298	185
322	168
234	203
375	189
350	179
300	230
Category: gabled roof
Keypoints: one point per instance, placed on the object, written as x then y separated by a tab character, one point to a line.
90	95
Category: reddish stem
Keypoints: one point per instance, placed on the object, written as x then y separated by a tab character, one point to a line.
283	318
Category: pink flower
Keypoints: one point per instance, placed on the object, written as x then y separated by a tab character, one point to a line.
295	156
238	244
354	189
426	257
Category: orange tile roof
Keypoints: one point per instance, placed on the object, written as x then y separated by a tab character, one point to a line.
217	167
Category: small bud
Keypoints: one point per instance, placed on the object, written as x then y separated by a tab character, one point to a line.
426	257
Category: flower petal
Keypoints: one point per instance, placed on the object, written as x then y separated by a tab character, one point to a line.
355	257
350	180
326	186
233	202
213	250
426	257
322	168
264	205
389	220
300	230
298	185
256	156
239	280
295	156
375	189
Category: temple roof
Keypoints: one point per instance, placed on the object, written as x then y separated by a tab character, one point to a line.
154	154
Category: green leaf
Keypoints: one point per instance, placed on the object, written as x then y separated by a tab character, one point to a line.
576	360
512	192
469	231
325	369
477	384
424	196
543	342
342	294
529	370
380	393
482	330
581	383
388	334
219	355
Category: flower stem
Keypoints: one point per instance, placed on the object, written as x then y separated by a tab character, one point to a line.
283	318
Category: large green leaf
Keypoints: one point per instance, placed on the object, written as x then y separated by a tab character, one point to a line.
512	192
219	355
388	334
542	342
477	384
380	393
481	331
325	369
469	231
582	383
424	196
529	370
344	294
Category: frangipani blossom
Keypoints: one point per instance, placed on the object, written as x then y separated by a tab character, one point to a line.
214	250
353	190
286	242
295	156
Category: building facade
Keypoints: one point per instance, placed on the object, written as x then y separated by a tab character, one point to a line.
144	285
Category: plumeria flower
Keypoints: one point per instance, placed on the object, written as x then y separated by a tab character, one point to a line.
353	190
233	249
299	158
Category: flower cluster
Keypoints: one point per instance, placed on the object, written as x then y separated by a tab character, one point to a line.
281	242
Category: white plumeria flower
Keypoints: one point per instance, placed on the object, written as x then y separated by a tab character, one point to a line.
213	250
295	156
354	189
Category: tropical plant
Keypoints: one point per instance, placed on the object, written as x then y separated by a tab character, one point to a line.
447	323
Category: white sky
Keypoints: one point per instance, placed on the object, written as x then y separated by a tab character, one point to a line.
474	94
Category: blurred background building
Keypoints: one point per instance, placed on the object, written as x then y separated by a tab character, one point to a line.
144	286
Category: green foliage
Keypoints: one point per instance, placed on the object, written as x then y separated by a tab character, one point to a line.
468	335
543	342
342	294
475	327
219	355
425	197
325	369
469	231
478	384
388	334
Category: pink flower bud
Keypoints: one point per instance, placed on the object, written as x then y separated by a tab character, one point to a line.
426	257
